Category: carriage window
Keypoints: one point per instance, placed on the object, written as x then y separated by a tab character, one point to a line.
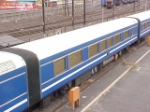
117	38
145	25
59	66
109	42
93	50
103	45
75	58
126	34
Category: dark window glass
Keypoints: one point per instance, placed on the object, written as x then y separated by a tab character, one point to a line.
75	58
59	66
93	50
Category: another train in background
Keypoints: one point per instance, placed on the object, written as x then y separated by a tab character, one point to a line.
110	3
32	71
129	1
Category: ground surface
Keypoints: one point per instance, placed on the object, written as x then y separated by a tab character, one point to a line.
129	94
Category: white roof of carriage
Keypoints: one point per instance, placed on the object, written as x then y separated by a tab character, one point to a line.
142	16
52	45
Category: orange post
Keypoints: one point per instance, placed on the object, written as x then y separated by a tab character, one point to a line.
148	39
74	96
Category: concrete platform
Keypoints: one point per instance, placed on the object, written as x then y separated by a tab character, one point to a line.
129	94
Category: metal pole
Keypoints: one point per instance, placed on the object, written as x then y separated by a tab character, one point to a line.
102	13
84	13
134	7
43	13
113	9
46	8
65	6
73	14
145	5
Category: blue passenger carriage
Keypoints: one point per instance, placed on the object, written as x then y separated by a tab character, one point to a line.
31	71
144	21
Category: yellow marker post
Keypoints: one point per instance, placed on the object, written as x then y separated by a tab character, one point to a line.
74	96
148	40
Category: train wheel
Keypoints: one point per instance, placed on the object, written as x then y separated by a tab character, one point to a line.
64	90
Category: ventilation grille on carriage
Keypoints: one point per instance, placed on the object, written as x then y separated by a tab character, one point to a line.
6	66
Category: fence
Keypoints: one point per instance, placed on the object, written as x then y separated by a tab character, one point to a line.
25	14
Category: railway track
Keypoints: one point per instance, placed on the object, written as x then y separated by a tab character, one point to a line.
91	16
94	13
